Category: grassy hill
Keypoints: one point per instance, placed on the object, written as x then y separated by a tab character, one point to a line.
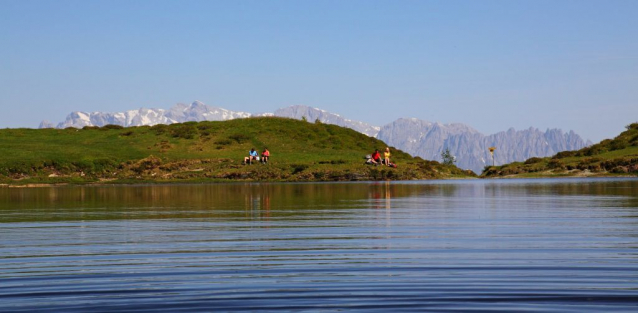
618	156
204	151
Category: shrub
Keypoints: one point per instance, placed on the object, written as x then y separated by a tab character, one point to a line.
223	142
160	129
533	160
111	126
448	158
239	138
90	127
555	164
333	162
185	131
486	169
298	168
564	154
619	170
205	133
593	150
618	145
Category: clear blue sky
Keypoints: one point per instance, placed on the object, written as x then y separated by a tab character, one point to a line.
489	64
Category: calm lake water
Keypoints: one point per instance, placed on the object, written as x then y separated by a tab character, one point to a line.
568	245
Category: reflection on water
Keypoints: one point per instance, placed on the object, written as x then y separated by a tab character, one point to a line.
545	245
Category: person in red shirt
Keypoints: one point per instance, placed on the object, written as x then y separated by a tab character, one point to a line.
265	156
376	157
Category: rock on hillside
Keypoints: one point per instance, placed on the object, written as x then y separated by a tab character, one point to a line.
470	147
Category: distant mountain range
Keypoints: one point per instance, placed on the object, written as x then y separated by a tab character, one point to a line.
179	113
414	136
470	147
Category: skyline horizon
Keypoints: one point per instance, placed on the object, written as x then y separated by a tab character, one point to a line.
491	64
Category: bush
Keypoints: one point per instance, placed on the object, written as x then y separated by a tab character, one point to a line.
533	160
111	126
333	162
564	154
593	150
224	142
555	164
239	138
90	127
185	131
448	158
298	168
619	170
618	145
160	129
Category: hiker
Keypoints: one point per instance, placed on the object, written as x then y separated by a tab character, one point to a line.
252	155
368	158
265	156
386	156
376	157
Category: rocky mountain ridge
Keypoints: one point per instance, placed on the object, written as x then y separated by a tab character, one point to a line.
470	147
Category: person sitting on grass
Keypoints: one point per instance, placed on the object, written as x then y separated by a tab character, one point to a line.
265	156
252	155
386	156
376	157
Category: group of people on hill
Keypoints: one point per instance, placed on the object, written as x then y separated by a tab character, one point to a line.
375	158
252	156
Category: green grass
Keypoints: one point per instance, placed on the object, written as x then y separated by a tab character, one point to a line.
618	156
204	151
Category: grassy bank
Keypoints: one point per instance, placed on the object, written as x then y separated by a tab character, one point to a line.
610	157
202	151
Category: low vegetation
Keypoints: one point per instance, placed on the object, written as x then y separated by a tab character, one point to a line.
204	151
618	156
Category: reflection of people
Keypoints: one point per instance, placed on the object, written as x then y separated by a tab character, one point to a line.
388	195
252	155
267	206
265	156
386	156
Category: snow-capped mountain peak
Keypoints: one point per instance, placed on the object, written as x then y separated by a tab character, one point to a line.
196	111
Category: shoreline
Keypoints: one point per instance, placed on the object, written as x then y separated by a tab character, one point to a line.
190	182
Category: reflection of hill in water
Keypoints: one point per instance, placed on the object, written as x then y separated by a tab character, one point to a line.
321	200
289	201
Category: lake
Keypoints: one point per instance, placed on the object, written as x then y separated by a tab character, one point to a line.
559	245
